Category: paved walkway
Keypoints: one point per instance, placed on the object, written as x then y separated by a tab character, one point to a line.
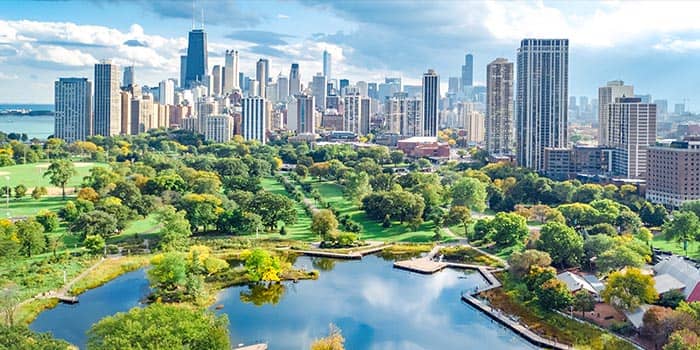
374	247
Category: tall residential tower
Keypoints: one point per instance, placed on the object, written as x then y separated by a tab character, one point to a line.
72	103
107	119
499	106
431	97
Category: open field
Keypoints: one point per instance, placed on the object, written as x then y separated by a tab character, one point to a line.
297	231
662	243
28	206
31	175
372	230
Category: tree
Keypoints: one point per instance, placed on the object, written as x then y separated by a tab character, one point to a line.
262	266
302	171
38	192
563	244
583	301
59	172
9	302
672	298
48	219
553	294
396	157
579	214
273	208
683	339
508	229
334	340
20	191
587	193
238	221
683	227
469	192
88	194
95	222
201	210
95	244
175	228
324	223
31	236
520	263
603	229
168	275
21	337
618	256
629	289
356	186
460	215
162	326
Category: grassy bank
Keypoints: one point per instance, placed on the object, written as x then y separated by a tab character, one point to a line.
108	270
466	255
27	312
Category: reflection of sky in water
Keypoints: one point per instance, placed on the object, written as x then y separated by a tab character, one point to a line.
376	306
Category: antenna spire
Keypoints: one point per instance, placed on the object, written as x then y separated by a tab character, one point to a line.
202	17
193	14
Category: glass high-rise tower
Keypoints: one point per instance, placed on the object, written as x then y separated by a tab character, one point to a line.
431	97
197	61
542	92
468	71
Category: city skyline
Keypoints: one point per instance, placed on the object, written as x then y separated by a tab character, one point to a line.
40	44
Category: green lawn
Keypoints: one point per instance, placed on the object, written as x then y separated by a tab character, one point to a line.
662	243
28	206
31	175
372	230
300	230
146	228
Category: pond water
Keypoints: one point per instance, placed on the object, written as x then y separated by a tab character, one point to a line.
376	306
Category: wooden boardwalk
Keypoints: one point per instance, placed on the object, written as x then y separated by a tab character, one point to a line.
424	264
374	248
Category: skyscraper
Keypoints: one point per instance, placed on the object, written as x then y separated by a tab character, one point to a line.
197	62
282	87
216	80
352	113
342	84
254	118
453	85
166	89
72	104
262	72
631	131
431	96
542	91
499	106
294	80
230	79
128	79
318	89
218	127
107	99
365	114
300	114
606	95
183	70
468	72
327	65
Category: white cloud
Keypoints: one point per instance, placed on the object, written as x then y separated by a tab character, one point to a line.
282	16
678	45
6	76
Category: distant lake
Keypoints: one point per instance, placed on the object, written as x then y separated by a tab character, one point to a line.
41	126
376	306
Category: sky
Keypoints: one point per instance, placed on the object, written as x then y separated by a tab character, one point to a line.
654	46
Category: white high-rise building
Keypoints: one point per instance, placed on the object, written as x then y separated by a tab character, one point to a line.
73	109
262	73
499	106
230	76
254	118
166	89
218	127
128	79
542	93
318	89
216	80
294	80
107	119
352	113
327	65
431	97
631	131
362	87
282	87
608	94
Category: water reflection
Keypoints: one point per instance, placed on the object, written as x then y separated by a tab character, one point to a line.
260	294
323	264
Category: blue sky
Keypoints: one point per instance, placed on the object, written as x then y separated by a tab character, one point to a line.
654	46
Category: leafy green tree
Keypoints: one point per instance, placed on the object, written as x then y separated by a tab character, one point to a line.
563	244
619	256
520	263
483	230
175	228
356	186
603	229
95	222
672	298
509	229
683	227
629	289
21	337
239	222
579	214
20	191
59	172
460	215
323	223
100	178
302	171
587	193
31	237
396	157
48	219
95	244
469	192
553	294
583	301
262	266
273	208
201	210
653	214
168	275
160	326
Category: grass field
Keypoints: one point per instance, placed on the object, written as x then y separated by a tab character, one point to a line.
662	243
31	175
28	206
372	230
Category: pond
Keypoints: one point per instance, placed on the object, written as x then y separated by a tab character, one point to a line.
375	306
